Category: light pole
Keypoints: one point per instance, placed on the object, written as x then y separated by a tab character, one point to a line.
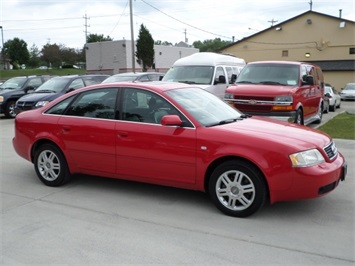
132	37
2	47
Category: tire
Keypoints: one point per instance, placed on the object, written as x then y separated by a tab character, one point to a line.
320	114
51	166
10	109
237	188
326	110
299	117
332	108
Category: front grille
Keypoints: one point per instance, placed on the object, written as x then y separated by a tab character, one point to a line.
331	150
327	188
253	108
257	98
24	105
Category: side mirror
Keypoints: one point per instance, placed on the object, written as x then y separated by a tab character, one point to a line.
233	78
221	79
308	80
29	89
171	120
327	94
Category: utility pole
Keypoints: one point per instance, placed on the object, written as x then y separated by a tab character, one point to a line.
132	38
186	40
2	47
310	5
86	28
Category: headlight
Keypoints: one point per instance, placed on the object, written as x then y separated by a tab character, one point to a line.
228	96
41	103
306	158
1	99
284	99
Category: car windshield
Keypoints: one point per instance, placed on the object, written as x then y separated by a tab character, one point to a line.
53	85
350	87
328	90
270	74
14	83
120	78
206	108
190	74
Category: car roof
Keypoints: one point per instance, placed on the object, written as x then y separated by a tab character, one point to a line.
158	86
137	74
281	62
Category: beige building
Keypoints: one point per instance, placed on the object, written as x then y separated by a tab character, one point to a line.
311	37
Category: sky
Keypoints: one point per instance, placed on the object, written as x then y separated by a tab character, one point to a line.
66	22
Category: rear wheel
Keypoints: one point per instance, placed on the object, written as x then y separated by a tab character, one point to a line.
51	166
10	109
332	108
237	188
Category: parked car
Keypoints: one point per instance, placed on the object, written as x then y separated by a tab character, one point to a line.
348	93
54	88
178	135
14	88
333	96
285	90
137	76
213	72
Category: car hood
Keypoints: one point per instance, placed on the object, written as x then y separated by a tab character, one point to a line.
5	91
347	92
32	97
268	130
261	90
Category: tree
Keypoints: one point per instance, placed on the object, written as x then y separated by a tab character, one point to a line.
165	43
16	51
51	55
34	56
211	45
145	48
98	38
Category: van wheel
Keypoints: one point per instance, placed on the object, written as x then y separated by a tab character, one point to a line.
237	188
10	109
299	117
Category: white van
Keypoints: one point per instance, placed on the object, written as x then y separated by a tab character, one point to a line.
211	71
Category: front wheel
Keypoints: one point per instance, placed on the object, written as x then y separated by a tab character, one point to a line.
10	109
299	117
237	188
51	166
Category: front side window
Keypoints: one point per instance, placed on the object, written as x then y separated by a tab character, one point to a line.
219	73
76	84
35	83
99	103
147	107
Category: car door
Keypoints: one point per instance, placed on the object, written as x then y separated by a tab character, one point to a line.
88	131
145	149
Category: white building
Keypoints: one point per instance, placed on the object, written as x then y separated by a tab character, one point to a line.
113	57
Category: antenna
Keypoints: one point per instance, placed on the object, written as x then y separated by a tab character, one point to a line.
272	22
310	5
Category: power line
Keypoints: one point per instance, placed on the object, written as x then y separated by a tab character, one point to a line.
185	22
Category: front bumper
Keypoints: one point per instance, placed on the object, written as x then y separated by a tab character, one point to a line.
312	182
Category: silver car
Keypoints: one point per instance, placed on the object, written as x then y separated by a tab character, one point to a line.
348	93
333	96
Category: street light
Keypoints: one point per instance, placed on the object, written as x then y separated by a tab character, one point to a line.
2	47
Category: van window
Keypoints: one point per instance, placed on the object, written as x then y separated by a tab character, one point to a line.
230	72
219	72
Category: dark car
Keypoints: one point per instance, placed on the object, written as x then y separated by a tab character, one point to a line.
54	88
138	76
14	88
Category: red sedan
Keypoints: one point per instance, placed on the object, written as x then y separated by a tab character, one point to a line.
178	135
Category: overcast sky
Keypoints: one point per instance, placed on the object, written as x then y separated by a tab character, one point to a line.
63	21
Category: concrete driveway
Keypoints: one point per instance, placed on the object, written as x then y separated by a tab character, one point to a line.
104	221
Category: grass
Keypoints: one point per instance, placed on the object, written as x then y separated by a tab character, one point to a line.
340	127
6	74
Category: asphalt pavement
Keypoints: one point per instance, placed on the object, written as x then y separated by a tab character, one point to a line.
101	221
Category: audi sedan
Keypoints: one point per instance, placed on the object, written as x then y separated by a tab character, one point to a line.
179	135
